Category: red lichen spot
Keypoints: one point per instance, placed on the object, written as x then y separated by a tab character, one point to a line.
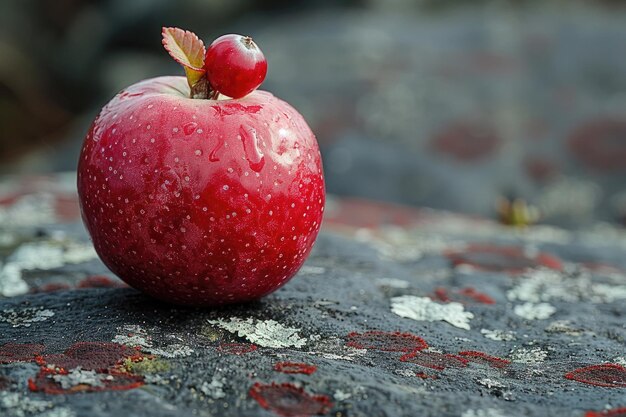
5	382
540	169
102	357
98	356
287	400
18	352
424	375
483	358
608	375
66	207
386	341
477	296
441	294
110	381
615	412
549	261
435	360
481	62
466	295
52	287
113	352
295	368
466	142
237	348
356	213
511	259
99	281
601	145
9	200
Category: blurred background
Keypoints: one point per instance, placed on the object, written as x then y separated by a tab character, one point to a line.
441	103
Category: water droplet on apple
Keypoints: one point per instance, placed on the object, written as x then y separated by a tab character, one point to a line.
252	148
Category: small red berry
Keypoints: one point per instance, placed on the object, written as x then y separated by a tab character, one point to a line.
235	66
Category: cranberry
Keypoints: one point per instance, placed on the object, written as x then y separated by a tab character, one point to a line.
235	66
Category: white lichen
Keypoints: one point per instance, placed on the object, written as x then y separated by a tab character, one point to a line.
620	360
490	383
51	254
76	253
565	327
18	405
397	244
392	283
607	293
265	333
404	372
79	376
528	355
11	282
312	270
30	210
340	395
498	335
548	285
133	335
425	309
132	340
45	255
175	350
26	316
487	412
214	389
532	311
334	348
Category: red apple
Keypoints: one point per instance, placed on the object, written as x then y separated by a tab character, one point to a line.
199	201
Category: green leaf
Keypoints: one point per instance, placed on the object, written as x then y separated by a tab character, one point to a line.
186	49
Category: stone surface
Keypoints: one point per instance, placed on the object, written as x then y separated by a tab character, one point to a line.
407	98
341	319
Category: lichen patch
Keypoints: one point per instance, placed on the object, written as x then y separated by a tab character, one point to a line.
532	311
45	255
132	335
528	355
547	285
265	333
498	335
425	309
25	317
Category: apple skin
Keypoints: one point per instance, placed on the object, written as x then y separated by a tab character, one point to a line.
200	202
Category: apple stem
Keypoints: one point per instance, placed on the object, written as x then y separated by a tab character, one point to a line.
200	89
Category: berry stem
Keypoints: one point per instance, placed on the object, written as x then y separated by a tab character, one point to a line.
247	41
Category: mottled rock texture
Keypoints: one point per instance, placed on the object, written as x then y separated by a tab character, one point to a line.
398	312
